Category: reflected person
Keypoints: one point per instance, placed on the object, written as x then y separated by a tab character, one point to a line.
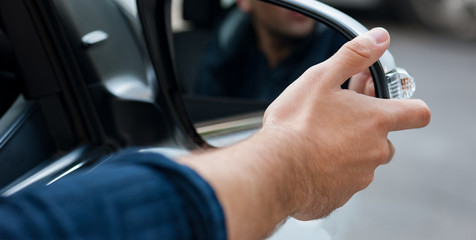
259	49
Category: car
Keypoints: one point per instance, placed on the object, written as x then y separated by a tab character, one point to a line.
82	79
81	85
457	17
358	4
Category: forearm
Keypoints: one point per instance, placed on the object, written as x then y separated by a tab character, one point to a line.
252	183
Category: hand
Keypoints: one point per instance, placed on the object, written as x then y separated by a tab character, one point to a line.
319	145
337	138
362	83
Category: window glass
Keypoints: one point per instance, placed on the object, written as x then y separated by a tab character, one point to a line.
233	60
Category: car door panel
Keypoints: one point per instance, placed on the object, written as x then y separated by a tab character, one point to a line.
25	140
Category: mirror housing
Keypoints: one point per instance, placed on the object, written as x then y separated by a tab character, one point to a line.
155	20
389	80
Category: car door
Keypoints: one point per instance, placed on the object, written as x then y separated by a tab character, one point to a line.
30	107
81	85
47	128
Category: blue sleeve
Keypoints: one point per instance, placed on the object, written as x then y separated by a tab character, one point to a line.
133	195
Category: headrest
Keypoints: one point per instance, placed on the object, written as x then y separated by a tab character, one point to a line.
202	13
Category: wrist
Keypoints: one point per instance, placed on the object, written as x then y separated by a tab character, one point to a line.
254	182
283	157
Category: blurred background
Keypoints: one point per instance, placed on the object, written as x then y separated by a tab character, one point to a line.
428	191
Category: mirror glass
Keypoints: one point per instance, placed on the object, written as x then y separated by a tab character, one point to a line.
235	57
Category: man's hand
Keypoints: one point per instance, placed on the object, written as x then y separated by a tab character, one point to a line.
339	137
362	83
319	145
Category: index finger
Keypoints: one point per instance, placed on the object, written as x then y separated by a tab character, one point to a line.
406	114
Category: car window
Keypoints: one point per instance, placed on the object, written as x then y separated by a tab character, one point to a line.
225	74
194	23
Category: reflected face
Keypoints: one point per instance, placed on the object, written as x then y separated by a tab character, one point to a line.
277	20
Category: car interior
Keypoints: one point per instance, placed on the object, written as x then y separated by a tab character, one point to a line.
204	17
78	102
21	121
9	87
75	88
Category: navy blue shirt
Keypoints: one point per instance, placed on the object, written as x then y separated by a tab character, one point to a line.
133	195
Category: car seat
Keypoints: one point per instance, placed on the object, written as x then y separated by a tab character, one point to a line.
190	44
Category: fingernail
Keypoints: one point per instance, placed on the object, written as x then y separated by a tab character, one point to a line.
380	35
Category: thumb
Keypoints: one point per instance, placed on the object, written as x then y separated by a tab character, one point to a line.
356	56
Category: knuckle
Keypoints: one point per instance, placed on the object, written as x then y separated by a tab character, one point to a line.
312	72
359	48
382	119
316	76
314	69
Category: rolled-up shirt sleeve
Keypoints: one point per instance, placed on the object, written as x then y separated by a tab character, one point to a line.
133	195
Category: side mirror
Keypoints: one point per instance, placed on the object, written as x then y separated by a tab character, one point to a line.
389	80
238	104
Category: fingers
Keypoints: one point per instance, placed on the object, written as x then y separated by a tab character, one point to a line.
369	88
406	114
362	83
358	82
356	55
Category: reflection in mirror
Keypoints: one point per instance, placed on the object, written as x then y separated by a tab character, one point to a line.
240	61
259	49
